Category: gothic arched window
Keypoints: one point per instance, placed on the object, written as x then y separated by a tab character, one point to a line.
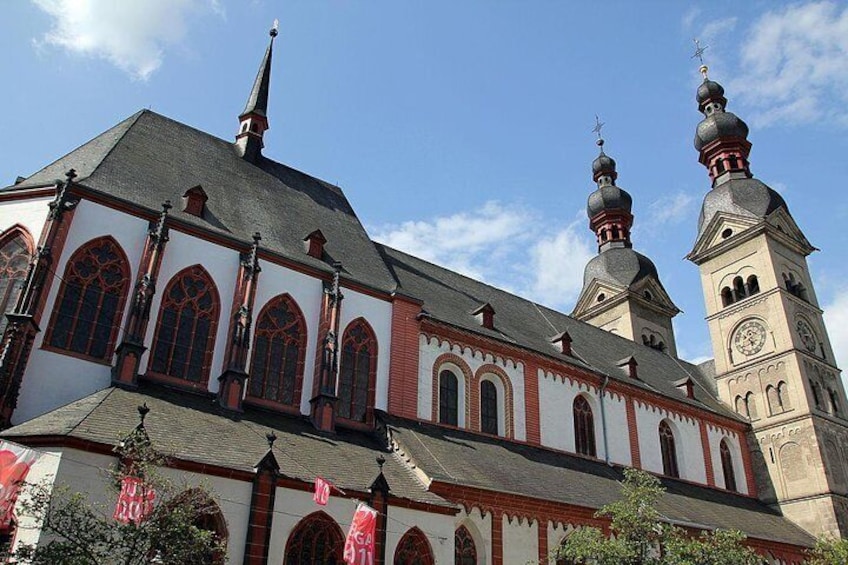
465	552
279	345
185	337
414	549
316	540
668	450
448	398
87	311
727	466
207	516
584	427
358	371
488	407
15	251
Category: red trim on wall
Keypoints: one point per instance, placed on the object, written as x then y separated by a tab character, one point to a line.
467	375
633	432
497	538
531	403
490	369
542	544
708	460
403	364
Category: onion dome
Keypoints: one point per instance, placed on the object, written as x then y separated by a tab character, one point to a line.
720	125
710	90
619	266
609	207
608	197
603	165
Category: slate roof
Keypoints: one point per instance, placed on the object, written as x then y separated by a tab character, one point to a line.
148	158
190	427
750	198
460	457
619	266
451	298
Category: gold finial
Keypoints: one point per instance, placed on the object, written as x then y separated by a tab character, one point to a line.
699	53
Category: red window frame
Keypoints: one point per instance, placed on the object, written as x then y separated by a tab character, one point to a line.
357	381
16	249
414	549
316	540
464	548
97	275
668	450
488	407
190	291
584	427
278	339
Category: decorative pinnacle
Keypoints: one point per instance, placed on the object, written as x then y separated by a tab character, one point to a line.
274	29
271	437
142	412
71	174
381	461
699	54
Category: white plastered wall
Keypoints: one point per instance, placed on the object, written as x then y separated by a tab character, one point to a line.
431	348
520	541
714	436
556	401
480	528
378	314
42	473
222	264
31	214
307	292
41	389
687	442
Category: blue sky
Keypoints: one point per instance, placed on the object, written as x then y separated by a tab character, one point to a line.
461	131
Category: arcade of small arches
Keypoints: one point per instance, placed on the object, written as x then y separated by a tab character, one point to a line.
739	289
823	389
486	396
90	303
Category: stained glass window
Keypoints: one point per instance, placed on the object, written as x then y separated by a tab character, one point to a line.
279	344
14	261
414	549
669	452
357	371
465	552
317	540
584	427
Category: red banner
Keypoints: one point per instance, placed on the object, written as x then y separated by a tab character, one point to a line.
322	491
135	503
15	462
359	545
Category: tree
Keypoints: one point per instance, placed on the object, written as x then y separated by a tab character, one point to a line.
829	551
639	535
79	532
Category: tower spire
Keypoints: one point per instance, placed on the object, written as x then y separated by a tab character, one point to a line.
253	121
609	206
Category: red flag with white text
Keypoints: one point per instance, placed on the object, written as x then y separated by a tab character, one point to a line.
359	545
322	491
135	502
15	463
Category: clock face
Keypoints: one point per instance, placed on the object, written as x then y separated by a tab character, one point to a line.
805	332
750	337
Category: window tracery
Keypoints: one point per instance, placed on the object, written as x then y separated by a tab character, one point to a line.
584	427
279	344
316	540
14	262
465	552
668	450
357	372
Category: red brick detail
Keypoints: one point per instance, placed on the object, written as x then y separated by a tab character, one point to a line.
490	369
260	519
379	504
708	460
543	542
55	242
320	335
438	365
635	454
748	464
497	538
531	403
403	363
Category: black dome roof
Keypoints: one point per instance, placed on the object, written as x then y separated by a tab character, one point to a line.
719	125
710	90
603	164
608	197
743	197
619	266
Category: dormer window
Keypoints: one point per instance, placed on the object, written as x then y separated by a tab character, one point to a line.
314	244
485	314
686	386
629	364
194	201
564	341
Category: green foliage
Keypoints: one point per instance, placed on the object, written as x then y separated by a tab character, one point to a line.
76	531
829	551
640	536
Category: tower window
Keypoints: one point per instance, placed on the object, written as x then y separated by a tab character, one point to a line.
726	233
615	232
814	387
753	285
602	297
668	450
738	289
734	162
834	402
726	296
584	427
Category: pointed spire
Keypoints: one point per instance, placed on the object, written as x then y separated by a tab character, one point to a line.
609	206
253	121
257	102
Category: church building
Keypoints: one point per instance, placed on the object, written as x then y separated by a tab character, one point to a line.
157	265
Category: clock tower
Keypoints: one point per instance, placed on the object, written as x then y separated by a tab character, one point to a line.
773	360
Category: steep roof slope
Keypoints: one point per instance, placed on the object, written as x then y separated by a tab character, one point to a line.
451	298
148	158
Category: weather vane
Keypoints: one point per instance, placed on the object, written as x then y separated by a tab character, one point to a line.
699	53
599	125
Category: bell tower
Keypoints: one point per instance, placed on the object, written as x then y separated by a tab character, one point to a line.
773	360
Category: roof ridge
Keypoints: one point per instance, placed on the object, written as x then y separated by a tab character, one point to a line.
109	392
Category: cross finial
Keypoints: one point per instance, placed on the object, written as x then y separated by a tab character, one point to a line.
699	54
599	125
381	461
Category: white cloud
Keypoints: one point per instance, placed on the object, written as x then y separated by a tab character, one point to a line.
507	246
794	65
836	319
670	210
132	35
